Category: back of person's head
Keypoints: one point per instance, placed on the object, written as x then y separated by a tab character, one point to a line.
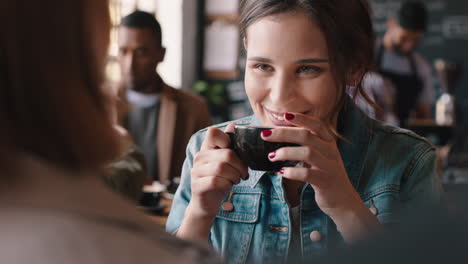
141	19
429	235
52	101
413	16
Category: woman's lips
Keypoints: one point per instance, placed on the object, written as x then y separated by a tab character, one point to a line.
277	118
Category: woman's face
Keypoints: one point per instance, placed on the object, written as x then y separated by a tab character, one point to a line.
287	69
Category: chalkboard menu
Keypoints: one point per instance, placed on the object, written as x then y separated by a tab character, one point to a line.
447	36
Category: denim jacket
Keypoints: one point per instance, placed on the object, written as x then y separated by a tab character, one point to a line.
391	168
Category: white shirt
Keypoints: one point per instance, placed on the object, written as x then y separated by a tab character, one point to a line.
142	99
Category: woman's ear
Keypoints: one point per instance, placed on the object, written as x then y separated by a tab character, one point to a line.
244	41
161	54
355	76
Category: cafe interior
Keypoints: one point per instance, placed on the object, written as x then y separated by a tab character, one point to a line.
201	73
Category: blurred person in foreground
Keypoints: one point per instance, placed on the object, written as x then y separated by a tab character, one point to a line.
408	91
160	119
56	135
430	236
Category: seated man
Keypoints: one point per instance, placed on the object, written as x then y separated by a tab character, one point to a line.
160	119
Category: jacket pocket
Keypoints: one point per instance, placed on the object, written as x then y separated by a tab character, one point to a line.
384	202
233	229
244	206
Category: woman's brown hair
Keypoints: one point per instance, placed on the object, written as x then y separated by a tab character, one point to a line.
52	104
347	28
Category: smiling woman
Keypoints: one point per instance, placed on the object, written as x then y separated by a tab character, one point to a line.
342	53
354	173
292	75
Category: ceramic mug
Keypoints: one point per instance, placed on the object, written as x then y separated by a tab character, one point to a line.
247	143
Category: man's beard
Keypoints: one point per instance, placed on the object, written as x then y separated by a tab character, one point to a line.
397	48
135	86
148	86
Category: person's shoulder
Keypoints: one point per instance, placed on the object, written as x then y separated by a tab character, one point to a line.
132	240
241	121
400	138
187	97
422	63
420	58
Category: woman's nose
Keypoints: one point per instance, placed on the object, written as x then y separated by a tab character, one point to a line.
281	89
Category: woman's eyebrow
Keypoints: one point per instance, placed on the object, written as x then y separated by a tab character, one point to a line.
308	60
313	60
260	59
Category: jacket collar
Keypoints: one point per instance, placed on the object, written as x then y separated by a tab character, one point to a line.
355	127
167	121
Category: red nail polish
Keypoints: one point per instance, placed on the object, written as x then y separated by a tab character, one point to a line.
266	133
281	171
272	155
289	116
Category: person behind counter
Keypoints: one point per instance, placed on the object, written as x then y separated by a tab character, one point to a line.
409	91
357	173
56	135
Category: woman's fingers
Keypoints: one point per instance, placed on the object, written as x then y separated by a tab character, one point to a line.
302	153
215	139
313	175
217	156
221	169
207	184
230	127
314	125
301	137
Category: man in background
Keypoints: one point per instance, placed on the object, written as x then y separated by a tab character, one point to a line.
409	89
160	119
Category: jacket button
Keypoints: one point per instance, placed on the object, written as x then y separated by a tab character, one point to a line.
315	236
227	206
372	208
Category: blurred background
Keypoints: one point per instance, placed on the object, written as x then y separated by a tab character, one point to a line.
204	54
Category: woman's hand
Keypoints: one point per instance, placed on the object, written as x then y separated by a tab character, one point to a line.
324	170
215	170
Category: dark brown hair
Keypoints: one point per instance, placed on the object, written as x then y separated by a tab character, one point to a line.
347	27
142	19
52	104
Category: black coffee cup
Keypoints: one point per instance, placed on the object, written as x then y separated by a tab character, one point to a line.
150	199
247	143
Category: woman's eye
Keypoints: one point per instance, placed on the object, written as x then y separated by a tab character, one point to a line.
309	69
263	67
